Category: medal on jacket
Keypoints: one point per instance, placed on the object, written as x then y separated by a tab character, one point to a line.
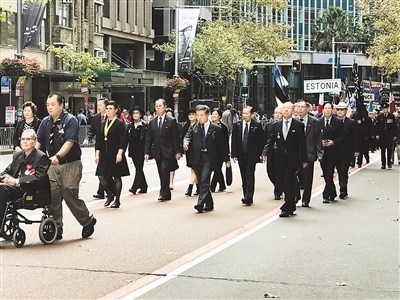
107	126
278	136
28	169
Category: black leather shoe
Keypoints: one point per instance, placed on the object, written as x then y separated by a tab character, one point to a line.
208	208
96	196
305	205
161	198
88	230
278	198
133	190
246	201
343	195
325	201
198	208
115	204
389	166
383	167
143	191
110	198
284	214
189	190
221	190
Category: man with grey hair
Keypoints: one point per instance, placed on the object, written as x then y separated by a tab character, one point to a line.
27	171
207	147
227	118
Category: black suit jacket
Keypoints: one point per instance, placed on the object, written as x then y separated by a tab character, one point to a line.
386	126
334	133
255	141
351	138
291	151
136	140
37	163
165	141
217	148
94	128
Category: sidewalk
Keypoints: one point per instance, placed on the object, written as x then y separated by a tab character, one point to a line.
343	250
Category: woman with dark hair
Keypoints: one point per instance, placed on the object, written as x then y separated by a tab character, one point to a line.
169	112
137	130
110	155
191	120
30	121
218	176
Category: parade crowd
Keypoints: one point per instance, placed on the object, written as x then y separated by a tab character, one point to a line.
290	143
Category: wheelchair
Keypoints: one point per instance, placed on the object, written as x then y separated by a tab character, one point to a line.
31	200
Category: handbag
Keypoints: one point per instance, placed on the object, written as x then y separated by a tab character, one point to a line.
228	175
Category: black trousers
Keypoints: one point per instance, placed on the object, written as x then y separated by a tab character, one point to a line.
8	192
328	169
275	176
308	177
164	167
343	173
291	188
247	169
140	180
218	177
203	174
386	145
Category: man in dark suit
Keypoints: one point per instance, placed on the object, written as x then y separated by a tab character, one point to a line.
291	155
246	148
332	130
349	149
272	171
207	147
386	127
27	172
314	147
163	143
94	130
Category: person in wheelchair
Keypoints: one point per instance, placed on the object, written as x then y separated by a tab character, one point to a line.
27	172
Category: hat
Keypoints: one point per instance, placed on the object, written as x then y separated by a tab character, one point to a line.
341	105
385	105
137	107
191	111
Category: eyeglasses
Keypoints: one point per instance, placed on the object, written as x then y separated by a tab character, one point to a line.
340	108
27	139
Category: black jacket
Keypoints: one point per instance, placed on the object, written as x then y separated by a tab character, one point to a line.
136	139
336	134
31	170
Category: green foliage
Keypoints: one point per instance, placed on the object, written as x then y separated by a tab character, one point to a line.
336	23
384	17
84	62
167	48
19	66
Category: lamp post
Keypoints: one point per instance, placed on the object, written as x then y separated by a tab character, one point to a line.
176	94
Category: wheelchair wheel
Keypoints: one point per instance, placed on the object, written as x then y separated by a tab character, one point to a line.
48	231
19	238
8	228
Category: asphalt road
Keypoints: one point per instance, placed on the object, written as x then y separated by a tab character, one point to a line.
145	240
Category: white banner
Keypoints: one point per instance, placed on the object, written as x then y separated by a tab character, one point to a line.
187	23
322	86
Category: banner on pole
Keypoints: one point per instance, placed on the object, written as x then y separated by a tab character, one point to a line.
32	16
187	23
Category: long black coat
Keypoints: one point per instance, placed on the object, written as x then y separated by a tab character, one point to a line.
117	138
336	134
136	139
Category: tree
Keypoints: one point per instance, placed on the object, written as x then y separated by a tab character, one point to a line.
336	23
84	62
385	18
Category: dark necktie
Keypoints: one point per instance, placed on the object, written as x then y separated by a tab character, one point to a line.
102	118
203	140
301	120
160	124
245	137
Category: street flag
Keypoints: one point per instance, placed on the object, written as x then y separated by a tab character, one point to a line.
392	103
32	16
280	87
345	95
187	20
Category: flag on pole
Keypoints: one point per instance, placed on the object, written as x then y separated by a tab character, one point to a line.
280	87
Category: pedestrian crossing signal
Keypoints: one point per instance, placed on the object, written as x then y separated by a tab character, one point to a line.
296	66
244	92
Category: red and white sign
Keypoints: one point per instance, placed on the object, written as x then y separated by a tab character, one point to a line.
10	115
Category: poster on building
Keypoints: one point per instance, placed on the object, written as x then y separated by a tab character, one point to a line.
10	115
32	17
187	20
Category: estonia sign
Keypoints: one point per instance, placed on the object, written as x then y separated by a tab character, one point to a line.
322	86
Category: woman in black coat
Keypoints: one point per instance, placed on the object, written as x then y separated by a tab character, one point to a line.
110	155
137	130
218	176
30	121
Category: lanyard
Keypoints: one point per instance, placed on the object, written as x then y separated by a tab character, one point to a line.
107	127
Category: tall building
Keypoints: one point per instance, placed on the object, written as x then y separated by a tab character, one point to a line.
113	30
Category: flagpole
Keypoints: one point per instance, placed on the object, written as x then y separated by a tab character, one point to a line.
176	100
19	29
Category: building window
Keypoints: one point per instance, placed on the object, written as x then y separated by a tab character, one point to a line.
106	9
63	13
97	17
8	29
86	9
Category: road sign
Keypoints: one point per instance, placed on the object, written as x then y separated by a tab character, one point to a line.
322	86
10	115
369	97
5	84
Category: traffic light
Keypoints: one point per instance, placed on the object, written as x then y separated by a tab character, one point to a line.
244	92
296	66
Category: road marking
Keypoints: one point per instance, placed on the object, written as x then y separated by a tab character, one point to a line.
177	267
